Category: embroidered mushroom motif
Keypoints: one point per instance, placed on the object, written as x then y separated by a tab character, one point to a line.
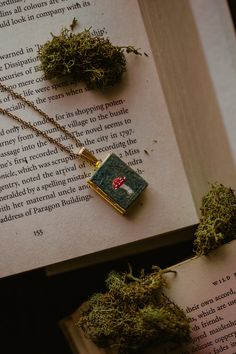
119	182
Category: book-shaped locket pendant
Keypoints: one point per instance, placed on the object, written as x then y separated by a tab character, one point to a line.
114	180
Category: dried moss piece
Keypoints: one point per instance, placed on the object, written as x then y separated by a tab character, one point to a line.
133	314
218	219
83	57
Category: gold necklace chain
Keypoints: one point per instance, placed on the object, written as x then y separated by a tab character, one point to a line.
46	117
108	172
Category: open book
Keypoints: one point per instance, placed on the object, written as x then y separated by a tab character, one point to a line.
171	119
205	288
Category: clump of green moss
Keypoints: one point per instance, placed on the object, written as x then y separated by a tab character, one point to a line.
133	314
218	219
84	57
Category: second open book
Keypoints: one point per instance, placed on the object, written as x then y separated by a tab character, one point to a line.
205	289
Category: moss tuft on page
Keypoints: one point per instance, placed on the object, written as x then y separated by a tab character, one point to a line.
218	219
133	314
84	57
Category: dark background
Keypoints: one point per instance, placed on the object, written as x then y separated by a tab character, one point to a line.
32	304
232	7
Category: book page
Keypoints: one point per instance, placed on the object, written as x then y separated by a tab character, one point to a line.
206	289
48	213
215	27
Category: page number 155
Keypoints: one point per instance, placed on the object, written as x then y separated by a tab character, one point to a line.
38	233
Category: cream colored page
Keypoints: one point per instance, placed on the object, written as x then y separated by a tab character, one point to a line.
217	34
48	214
206	289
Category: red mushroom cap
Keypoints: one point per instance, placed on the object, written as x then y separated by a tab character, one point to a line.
118	181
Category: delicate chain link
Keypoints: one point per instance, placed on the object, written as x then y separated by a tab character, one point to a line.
46	117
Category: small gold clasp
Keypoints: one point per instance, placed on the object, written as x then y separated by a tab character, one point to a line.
86	155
